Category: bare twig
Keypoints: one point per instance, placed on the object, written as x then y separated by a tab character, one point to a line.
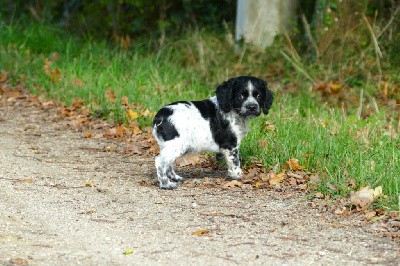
378	52
309	35
389	22
302	71
359	110
374	39
292	49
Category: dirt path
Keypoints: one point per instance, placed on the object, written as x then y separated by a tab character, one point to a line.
65	199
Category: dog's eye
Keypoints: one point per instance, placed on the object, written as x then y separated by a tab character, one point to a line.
257	95
242	96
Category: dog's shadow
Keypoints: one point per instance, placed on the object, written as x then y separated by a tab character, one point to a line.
208	171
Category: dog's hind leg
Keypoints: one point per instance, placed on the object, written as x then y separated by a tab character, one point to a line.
164	165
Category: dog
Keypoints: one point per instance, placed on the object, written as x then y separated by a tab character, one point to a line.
217	125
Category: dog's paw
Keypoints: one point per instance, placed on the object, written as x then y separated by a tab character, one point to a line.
169	185
235	174
177	178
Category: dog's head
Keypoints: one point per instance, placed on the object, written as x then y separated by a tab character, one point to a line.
246	95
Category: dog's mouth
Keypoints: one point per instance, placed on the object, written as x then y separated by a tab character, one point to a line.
248	113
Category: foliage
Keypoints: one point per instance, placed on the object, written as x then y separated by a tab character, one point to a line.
355	143
104	18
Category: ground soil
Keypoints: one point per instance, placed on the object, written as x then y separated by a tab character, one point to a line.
66	200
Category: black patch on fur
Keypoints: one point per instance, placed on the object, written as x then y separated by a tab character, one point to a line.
220	127
165	129
180	102
206	108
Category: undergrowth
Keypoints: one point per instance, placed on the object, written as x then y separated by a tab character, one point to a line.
340	127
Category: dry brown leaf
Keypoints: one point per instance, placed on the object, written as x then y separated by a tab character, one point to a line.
77	103
3	76
201	232
369	214
110	96
232	184
55	75
259	185
125	101
363	198
276	178
120	130
187	160
135	128
18	261
292	181
88	134
294	164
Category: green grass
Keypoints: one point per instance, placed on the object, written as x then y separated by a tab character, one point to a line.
329	141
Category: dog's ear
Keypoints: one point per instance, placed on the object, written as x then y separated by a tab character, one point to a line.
269	98
224	95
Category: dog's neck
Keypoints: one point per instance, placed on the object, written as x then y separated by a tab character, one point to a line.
240	124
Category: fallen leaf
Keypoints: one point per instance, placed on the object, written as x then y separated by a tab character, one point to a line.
146	113
132	115
135	127
233	183
77	103
120	130
89	184
369	214
332	187
335	87
319	195
276	178
110	96
125	101
55	75
292	181
128	251
187	160
88	134
259	185
294	164
201	232
3	76
18	261
363	198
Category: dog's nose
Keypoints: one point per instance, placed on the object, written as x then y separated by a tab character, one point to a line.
252	107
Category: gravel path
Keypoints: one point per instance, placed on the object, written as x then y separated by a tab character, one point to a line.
67	200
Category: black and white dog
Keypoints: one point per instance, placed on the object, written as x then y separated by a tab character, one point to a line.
217	124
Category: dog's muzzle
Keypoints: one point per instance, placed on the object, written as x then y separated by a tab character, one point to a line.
251	109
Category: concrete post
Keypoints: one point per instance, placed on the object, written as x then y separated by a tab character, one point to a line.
259	21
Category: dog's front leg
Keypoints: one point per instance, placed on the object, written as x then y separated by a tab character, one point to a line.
233	162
